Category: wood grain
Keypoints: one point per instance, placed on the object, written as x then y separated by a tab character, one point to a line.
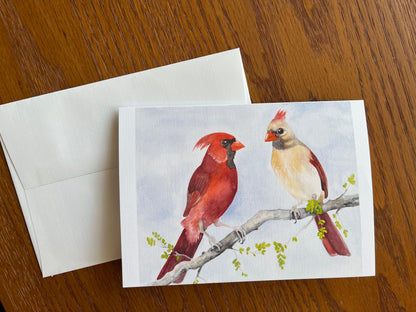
292	51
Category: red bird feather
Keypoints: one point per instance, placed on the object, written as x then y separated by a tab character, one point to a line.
324	181
280	115
333	241
210	192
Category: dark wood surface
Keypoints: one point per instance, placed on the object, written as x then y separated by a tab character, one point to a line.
292	51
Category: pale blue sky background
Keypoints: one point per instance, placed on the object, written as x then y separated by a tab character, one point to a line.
165	162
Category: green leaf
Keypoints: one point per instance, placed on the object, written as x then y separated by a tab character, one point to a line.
338	225
195	282
345	233
281	263
345	185
351	179
278	247
321	222
318	209
310	206
294	239
314	206
150	241
321	232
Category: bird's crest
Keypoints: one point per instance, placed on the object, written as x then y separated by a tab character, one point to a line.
281	115
212	138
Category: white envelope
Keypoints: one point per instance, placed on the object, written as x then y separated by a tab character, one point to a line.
61	149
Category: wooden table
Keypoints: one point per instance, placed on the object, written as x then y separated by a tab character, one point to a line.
292	51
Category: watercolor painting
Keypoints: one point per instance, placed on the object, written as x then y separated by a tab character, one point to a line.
211	191
248	192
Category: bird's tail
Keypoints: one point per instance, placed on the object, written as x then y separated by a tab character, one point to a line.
333	241
184	250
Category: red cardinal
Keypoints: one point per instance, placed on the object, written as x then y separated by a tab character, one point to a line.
302	175
210	192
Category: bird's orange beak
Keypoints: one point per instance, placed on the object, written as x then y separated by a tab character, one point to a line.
236	146
270	136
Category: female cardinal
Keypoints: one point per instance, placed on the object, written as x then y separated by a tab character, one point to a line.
301	174
210	192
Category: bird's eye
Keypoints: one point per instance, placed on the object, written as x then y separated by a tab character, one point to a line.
280	131
224	143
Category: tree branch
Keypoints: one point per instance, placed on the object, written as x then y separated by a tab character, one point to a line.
251	225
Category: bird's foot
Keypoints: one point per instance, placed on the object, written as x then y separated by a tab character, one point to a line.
295	213
241	234
216	247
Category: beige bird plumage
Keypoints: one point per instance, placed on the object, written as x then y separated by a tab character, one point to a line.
302	176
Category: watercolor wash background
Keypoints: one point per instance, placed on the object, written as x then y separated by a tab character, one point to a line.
165	162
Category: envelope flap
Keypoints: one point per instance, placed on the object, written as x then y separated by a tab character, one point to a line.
73	132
